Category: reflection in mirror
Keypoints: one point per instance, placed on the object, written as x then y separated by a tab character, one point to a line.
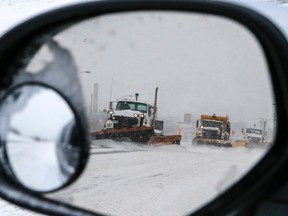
151	78
38	128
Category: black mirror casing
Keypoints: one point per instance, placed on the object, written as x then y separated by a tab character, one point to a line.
24	40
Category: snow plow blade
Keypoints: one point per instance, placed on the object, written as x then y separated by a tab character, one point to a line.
214	142
137	134
162	139
219	143
239	143
144	135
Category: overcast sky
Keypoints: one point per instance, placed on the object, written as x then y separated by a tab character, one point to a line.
200	64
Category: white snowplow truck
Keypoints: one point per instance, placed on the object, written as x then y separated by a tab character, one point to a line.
128	114
137	121
253	137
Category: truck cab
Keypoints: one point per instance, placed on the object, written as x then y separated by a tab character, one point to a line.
213	127
253	135
210	129
128	114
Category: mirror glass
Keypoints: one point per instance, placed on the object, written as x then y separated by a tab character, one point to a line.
38	130
210	78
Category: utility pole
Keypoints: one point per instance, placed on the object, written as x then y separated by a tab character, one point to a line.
111	89
155	106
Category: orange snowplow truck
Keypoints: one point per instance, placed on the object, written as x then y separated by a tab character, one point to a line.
213	130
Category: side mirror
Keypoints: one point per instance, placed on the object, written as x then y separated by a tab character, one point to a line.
159	126
150	111
201	53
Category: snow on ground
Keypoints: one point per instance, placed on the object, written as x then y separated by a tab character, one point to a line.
123	178
7	209
128	179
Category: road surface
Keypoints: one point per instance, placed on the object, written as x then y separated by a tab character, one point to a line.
129	179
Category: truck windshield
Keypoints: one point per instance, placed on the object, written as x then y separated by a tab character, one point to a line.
130	105
254	131
211	124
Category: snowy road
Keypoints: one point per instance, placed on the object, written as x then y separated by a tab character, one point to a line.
127	179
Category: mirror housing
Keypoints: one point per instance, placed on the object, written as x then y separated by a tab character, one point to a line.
20	42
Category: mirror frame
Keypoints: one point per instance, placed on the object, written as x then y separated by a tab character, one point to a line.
240	197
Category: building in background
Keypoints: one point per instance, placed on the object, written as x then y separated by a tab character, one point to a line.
187	118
